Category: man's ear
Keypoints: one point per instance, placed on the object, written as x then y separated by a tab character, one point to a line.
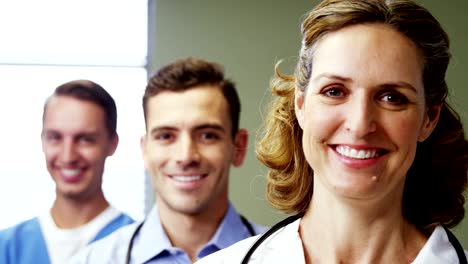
114	144
240	147
431	119
299	106
143	149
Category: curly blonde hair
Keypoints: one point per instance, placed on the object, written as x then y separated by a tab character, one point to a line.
437	178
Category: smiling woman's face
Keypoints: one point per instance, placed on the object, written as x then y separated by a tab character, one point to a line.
363	111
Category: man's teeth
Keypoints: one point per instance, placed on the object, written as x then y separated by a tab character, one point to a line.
187	178
356	154
70	172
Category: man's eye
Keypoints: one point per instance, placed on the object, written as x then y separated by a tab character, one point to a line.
52	137
87	140
209	136
163	136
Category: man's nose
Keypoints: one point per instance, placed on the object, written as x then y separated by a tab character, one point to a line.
69	152
188	151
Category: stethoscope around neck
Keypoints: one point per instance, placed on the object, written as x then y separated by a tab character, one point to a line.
455	243
246	223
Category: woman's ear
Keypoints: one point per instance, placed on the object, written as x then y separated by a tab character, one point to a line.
240	147
430	122
299	106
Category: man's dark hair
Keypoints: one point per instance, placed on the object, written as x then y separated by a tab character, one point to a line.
91	92
190	73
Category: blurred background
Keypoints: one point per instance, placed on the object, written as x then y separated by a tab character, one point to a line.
118	44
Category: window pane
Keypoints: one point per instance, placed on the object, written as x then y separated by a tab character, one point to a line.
26	188
73	32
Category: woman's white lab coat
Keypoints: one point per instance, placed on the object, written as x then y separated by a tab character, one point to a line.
285	247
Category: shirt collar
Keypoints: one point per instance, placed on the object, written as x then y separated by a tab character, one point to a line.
437	249
152	239
230	231
283	246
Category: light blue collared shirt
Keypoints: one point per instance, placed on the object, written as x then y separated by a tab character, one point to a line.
151	244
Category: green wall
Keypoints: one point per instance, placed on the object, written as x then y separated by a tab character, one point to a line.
248	37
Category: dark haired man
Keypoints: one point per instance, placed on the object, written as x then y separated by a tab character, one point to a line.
78	134
192	139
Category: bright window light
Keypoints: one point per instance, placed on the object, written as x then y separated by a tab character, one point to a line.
45	44
74	32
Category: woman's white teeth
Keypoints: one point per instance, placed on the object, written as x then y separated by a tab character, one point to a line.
357	154
187	178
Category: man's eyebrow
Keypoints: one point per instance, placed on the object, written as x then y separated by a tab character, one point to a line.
159	128
49	132
87	134
198	127
211	126
77	135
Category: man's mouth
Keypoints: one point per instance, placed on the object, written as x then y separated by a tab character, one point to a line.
70	172
187	178
71	175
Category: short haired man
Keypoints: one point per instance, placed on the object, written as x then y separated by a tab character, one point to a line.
78	134
192	138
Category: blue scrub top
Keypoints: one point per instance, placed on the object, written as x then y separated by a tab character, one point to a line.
24	243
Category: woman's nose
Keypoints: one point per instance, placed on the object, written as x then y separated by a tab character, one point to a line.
361	116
